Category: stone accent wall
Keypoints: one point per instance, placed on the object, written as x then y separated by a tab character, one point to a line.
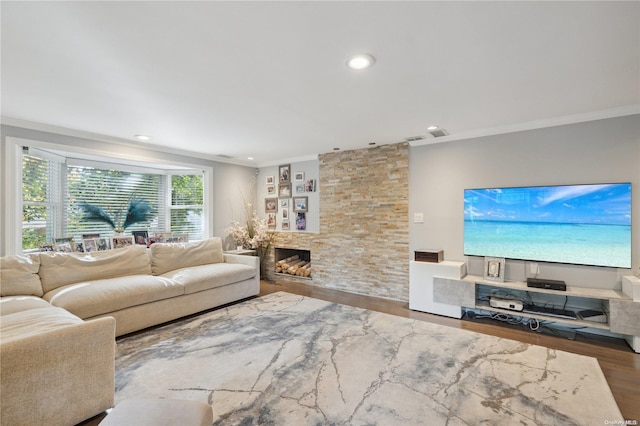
363	244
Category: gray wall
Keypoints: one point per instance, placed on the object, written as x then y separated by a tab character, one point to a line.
593	152
228	179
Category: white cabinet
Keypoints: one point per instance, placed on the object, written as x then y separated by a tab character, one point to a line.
421	286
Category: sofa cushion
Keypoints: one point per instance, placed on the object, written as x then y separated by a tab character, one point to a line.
171	256
32	322
60	269
19	275
12	304
91	298
204	277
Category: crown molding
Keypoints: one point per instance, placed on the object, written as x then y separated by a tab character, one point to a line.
533	125
30	125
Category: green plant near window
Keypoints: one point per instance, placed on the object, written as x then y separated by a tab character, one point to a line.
138	211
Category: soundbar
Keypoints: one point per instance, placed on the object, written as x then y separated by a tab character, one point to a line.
547	284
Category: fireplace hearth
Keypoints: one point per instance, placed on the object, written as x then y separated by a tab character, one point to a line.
293	262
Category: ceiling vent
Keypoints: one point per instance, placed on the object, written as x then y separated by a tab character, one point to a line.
414	138
439	133
228	157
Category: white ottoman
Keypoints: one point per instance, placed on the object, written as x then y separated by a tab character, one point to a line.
159	412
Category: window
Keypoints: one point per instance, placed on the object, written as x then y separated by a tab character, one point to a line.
112	190
187	204
53	189
40	200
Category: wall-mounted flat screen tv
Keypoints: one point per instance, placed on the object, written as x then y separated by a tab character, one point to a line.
577	224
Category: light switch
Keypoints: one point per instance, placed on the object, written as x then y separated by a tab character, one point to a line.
418	218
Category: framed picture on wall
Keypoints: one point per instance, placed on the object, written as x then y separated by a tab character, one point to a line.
284	173
310	186
271	189
301	221
270	180
299	189
300	204
299	177
271	220
270	205
285	226
284	190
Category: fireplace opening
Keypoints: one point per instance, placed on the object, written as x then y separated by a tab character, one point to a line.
293	262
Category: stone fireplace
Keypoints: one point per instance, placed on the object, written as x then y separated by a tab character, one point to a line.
362	244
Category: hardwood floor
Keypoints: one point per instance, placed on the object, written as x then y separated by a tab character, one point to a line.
619	363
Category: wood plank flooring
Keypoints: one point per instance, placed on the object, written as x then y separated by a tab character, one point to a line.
619	363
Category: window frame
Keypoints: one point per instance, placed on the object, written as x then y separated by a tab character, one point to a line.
170	206
12	194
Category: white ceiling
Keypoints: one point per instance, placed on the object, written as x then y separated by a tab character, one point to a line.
268	79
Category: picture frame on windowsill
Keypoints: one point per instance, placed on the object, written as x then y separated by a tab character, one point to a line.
122	241
140	237
494	268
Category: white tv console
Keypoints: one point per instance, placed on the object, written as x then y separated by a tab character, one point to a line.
444	289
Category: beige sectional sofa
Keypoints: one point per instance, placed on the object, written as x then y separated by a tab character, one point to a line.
60	314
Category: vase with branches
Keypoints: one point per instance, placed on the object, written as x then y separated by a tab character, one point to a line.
253	235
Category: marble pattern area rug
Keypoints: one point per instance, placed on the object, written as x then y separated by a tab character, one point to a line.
285	359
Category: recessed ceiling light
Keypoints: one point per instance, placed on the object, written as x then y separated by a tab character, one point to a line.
360	62
432	128
250	158
142	137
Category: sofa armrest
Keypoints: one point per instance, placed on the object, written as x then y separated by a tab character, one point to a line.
60	377
253	261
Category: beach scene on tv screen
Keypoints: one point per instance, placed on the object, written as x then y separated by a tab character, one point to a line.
578	224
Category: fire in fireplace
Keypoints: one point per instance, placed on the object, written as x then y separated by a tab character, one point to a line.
293	262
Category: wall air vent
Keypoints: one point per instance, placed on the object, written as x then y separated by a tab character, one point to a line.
439	133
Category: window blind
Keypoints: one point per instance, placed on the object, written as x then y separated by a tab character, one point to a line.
41	183
187	202
112	190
